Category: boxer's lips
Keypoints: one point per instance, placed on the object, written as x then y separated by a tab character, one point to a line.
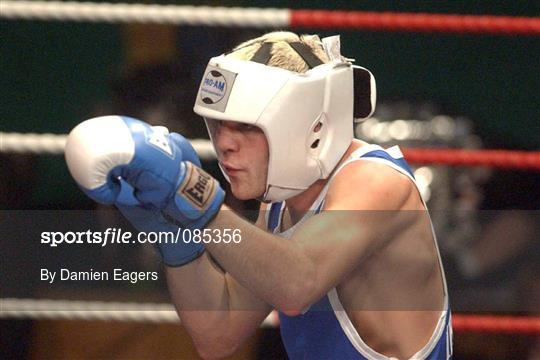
230	170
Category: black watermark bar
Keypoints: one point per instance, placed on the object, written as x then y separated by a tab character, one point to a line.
391	260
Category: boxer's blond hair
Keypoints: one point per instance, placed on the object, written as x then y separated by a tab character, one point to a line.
282	54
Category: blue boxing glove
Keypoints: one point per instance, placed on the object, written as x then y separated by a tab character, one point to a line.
105	154
148	218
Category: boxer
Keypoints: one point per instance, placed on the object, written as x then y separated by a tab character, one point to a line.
343	248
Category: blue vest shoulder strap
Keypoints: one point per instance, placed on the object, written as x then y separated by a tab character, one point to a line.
398	161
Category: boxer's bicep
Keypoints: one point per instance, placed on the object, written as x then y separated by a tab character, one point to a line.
353	226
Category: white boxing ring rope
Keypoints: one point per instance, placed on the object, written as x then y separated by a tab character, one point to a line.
42	309
145	13
12	308
55	144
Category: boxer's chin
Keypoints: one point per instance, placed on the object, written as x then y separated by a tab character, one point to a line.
243	191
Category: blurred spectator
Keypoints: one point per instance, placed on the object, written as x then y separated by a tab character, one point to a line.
498	271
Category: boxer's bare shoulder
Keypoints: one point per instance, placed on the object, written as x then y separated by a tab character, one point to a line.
366	185
389	201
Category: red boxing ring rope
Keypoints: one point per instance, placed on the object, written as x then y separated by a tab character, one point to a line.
252	17
415	22
496	324
508	159
465	323
492	158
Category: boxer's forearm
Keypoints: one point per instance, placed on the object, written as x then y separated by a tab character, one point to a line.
274	269
217	312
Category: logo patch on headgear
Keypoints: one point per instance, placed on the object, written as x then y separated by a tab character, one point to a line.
215	88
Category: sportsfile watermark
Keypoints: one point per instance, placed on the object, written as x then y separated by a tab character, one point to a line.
94	251
120	236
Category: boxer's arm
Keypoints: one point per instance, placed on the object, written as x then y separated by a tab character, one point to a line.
215	309
292	275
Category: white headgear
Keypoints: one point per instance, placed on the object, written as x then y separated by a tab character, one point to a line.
306	117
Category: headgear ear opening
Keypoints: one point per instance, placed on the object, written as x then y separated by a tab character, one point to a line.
365	93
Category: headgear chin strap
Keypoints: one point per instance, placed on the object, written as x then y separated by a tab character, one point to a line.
307	118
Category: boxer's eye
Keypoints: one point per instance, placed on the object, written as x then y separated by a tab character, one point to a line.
247	127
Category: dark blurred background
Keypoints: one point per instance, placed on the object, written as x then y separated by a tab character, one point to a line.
56	74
